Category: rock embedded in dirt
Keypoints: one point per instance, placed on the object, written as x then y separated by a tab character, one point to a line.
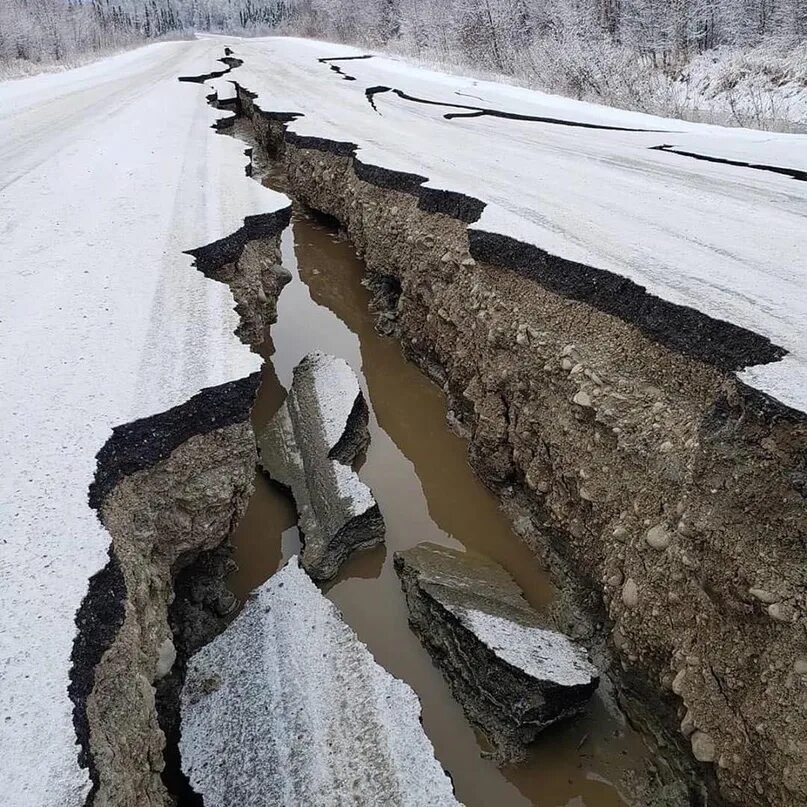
703	747
308	446
512	675
288	707
658	537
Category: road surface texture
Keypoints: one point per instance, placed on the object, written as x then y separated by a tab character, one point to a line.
107	174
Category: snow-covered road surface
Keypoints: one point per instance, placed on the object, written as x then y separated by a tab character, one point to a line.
726	240
107	174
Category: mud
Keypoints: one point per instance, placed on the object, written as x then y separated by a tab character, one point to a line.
629	457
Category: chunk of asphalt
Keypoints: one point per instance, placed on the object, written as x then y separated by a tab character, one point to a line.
512	676
308	447
287	707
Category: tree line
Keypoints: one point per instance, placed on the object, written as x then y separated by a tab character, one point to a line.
60	30
496	34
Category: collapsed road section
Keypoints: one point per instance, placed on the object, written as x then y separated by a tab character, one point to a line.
308	447
642	442
512	675
148	374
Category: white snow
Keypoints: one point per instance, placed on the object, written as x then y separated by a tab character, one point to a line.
540	653
299	712
728	241
335	388
107	174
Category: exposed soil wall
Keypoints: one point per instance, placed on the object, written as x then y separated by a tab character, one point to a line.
184	505
630	455
168	489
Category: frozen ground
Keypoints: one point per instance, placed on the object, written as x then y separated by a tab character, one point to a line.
727	240
107	173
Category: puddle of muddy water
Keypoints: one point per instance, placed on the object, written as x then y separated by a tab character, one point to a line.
418	471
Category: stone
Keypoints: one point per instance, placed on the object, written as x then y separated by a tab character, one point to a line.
582	398
166	656
782	612
630	593
703	746
288	707
308	447
687	725
763	595
658	537
512	675
678	681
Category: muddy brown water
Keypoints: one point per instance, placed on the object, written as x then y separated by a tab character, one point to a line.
418	471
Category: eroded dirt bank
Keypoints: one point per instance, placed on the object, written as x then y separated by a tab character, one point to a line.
626	452
169	489
426	491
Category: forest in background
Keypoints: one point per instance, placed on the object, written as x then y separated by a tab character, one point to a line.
744	61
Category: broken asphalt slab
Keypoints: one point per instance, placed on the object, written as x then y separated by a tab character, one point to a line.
288	707
308	447
512	676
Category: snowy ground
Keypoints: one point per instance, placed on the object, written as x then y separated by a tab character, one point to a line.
107	173
728	240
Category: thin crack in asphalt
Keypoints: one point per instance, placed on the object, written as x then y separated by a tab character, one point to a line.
338	70
478	112
793	173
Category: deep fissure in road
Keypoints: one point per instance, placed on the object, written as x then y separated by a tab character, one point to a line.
418	470
610	424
